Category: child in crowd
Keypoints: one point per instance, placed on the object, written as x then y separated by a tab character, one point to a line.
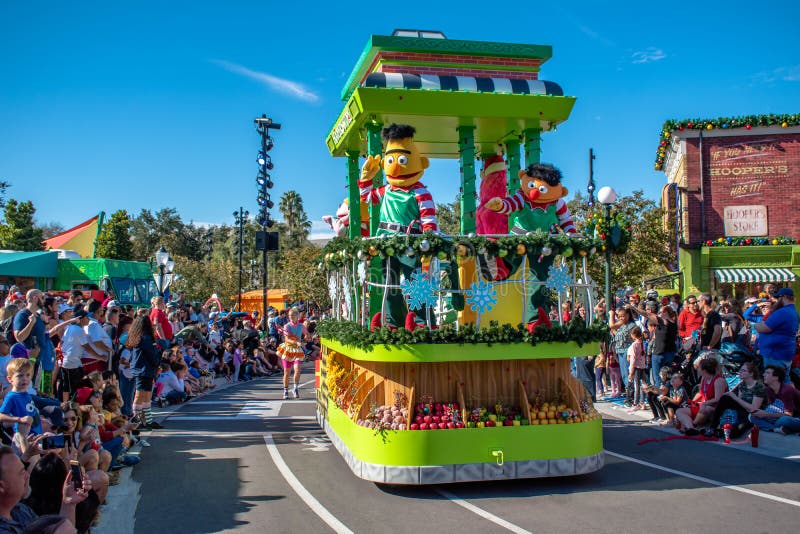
291	352
599	372
238	360
676	398
654	395
18	406
614	373
637	368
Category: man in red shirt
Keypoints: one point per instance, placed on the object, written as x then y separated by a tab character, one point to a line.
161	325
690	319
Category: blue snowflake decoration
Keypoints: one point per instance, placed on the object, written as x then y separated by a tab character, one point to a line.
558	279
420	290
481	297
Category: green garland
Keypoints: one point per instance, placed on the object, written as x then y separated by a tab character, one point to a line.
353	334
341	249
599	226
750	241
723	123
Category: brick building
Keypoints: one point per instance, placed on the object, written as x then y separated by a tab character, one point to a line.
732	193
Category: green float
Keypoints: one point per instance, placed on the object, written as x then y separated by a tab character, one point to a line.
500	410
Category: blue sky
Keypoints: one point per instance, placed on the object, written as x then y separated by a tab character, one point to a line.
109	105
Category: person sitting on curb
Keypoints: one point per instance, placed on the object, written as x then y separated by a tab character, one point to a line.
701	409
782	412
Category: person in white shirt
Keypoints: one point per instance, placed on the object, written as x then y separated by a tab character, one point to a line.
97	357
75	344
174	388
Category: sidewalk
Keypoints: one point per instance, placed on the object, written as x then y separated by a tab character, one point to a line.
769	443
116	517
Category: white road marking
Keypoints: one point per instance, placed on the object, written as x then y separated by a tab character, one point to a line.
705	480
301	491
243	401
242	418
481	512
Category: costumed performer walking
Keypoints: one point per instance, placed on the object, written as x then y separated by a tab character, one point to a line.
291	351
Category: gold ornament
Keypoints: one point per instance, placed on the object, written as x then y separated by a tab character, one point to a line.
521	249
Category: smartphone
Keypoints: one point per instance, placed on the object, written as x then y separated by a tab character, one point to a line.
77	476
54	442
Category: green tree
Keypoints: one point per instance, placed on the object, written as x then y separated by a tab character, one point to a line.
299	274
150	231
18	232
297	223
649	251
449	217
114	241
201	279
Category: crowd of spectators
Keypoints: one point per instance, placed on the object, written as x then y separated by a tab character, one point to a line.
670	356
79	376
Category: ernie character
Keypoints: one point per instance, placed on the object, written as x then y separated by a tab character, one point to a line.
537	205
406	207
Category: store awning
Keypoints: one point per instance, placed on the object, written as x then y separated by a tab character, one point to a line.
29	264
737	276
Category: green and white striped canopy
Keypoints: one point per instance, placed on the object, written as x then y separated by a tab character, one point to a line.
737	276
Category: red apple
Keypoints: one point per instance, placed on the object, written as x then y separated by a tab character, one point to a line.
451	425
427	419
442	426
423	426
414	426
508	422
455	406
418	419
433	426
489	423
437	419
459	425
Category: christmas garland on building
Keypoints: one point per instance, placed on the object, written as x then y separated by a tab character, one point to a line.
355	335
342	249
750	241
724	123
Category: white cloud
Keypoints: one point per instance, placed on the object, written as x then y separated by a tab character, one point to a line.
293	89
648	55
789	73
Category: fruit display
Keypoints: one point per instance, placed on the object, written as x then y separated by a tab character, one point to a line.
430	415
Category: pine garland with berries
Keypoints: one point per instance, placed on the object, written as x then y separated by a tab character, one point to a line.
342	249
353	334
750	241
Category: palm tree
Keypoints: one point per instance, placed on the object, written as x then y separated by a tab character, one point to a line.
297	223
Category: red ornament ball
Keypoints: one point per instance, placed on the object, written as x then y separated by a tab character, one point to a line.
709	243
748	126
748	241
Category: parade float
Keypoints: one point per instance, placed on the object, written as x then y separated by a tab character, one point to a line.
441	363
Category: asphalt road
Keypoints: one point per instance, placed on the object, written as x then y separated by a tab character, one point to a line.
243	460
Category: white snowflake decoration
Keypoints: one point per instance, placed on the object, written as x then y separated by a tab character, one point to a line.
559	279
420	290
481	297
332	286
348	296
361	272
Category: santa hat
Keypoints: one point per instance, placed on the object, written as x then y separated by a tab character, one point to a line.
493	163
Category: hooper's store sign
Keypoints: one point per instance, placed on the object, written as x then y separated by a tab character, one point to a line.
741	221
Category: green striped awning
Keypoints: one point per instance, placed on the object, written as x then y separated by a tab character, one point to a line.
736	276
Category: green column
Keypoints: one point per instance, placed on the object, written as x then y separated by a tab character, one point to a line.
533	146
374	148
512	161
466	151
353	173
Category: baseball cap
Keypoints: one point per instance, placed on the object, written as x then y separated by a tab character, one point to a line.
83	394
112	304
18	350
63	308
784	292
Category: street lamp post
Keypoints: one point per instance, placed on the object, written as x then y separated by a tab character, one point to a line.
240	217
607	196
165	267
